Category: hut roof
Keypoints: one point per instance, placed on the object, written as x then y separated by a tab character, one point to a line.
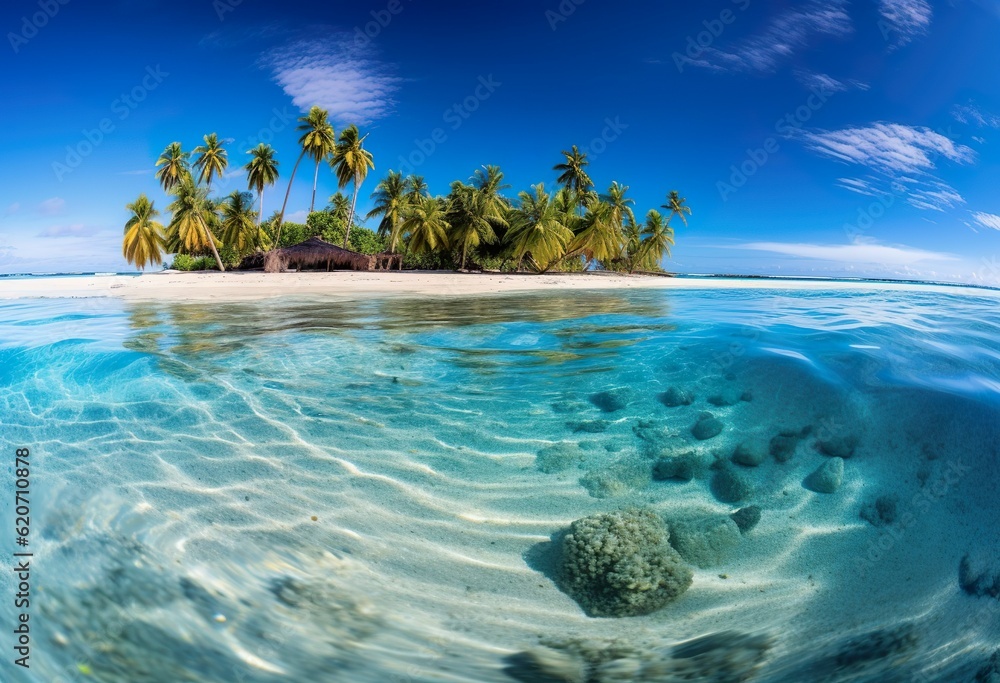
316	253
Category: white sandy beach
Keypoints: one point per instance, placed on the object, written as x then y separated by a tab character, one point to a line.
235	286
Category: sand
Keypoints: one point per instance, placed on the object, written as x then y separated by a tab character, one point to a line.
211	286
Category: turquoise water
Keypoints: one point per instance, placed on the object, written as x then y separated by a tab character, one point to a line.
372	490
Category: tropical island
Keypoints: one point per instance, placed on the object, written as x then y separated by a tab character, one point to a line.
475	227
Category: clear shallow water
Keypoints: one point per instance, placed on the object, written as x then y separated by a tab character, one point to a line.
353	490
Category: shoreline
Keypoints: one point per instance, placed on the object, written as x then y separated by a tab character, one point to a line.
248	286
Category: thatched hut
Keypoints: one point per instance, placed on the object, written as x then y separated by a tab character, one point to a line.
316	254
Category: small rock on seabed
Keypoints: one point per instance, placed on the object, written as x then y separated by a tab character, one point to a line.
707	427
674	397
746	518
613	400
828	477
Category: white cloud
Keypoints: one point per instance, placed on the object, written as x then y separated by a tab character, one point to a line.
888	147
935	195
335	74
297	217
867	187
822	82
905	19
987	220
858	252
788	33
75	230
973	114
12	209
52	207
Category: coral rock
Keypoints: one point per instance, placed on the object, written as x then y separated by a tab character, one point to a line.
621	564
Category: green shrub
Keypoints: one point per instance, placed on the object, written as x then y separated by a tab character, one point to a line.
205	263
183	262
230	257
365	241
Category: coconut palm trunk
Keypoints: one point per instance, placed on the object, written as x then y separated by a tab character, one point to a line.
312	204
211	243
350	217
288	192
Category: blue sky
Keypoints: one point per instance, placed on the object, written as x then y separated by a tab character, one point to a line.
810	138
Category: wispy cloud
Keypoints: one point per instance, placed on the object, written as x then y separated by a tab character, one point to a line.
335	74
888	147
822	82
934	195
905	19
859	252
974	115
866	186
52	207
903	158
12	209
987	220
788	33
76	230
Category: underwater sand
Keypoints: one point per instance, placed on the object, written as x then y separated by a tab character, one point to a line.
183	451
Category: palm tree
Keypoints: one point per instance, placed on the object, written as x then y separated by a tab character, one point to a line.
472	219
677	207
339	207
601	235
322	143
316	132
427	223
174	163
573	175
390	203
193	212
630	252
262	170
620	205
599	238
212	160
144	241
351	162
658	238
417	189
537	229
239	228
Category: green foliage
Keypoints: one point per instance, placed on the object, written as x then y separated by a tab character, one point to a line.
230	256
293	233
189	263
183	262
365	241
205	263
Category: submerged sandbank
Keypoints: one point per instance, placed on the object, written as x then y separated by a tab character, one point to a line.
243	286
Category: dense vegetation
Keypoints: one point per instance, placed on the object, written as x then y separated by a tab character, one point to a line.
474	226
